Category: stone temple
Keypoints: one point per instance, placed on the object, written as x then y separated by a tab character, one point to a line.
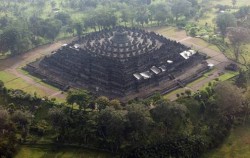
121	63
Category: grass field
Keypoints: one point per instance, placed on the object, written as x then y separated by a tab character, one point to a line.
167	31
47	152
237	145
226	76
13	82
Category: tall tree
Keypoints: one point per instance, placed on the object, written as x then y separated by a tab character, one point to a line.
8	38
142	15
64	18
172	115
22	120
238	36
223	21
138	123
102	102
181	8
8	139
159	12
229	99
234	2
79	97
58	120
111	126
79	28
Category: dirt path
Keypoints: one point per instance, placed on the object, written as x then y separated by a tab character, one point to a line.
13	64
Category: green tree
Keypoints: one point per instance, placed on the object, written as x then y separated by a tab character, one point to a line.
51	28
102	102
116	104
228	99
111	126
188	92
138	123
8	140
9	39
105	17
64	18
159	12
142	15
238	36
4	118
58	120
22	121
181	8
223	21
1	84
79	28
90	22
79	97
172	115
126	15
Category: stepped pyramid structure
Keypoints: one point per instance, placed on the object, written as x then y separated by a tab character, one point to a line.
120	63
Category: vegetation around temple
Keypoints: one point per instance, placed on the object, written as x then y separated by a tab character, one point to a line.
155	127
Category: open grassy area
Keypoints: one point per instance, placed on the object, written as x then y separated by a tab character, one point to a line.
167	31
226	76
237	145
47	152
38	80
13	82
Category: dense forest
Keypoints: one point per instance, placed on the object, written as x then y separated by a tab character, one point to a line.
154	127
25	24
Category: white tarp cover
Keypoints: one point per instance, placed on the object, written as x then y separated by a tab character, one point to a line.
76	46
155	70
170	61
187	54
210	65
137	76
146	74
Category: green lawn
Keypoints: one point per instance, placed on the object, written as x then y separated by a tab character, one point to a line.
167	31
47	152
226	76
6	77
13	82
237	145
